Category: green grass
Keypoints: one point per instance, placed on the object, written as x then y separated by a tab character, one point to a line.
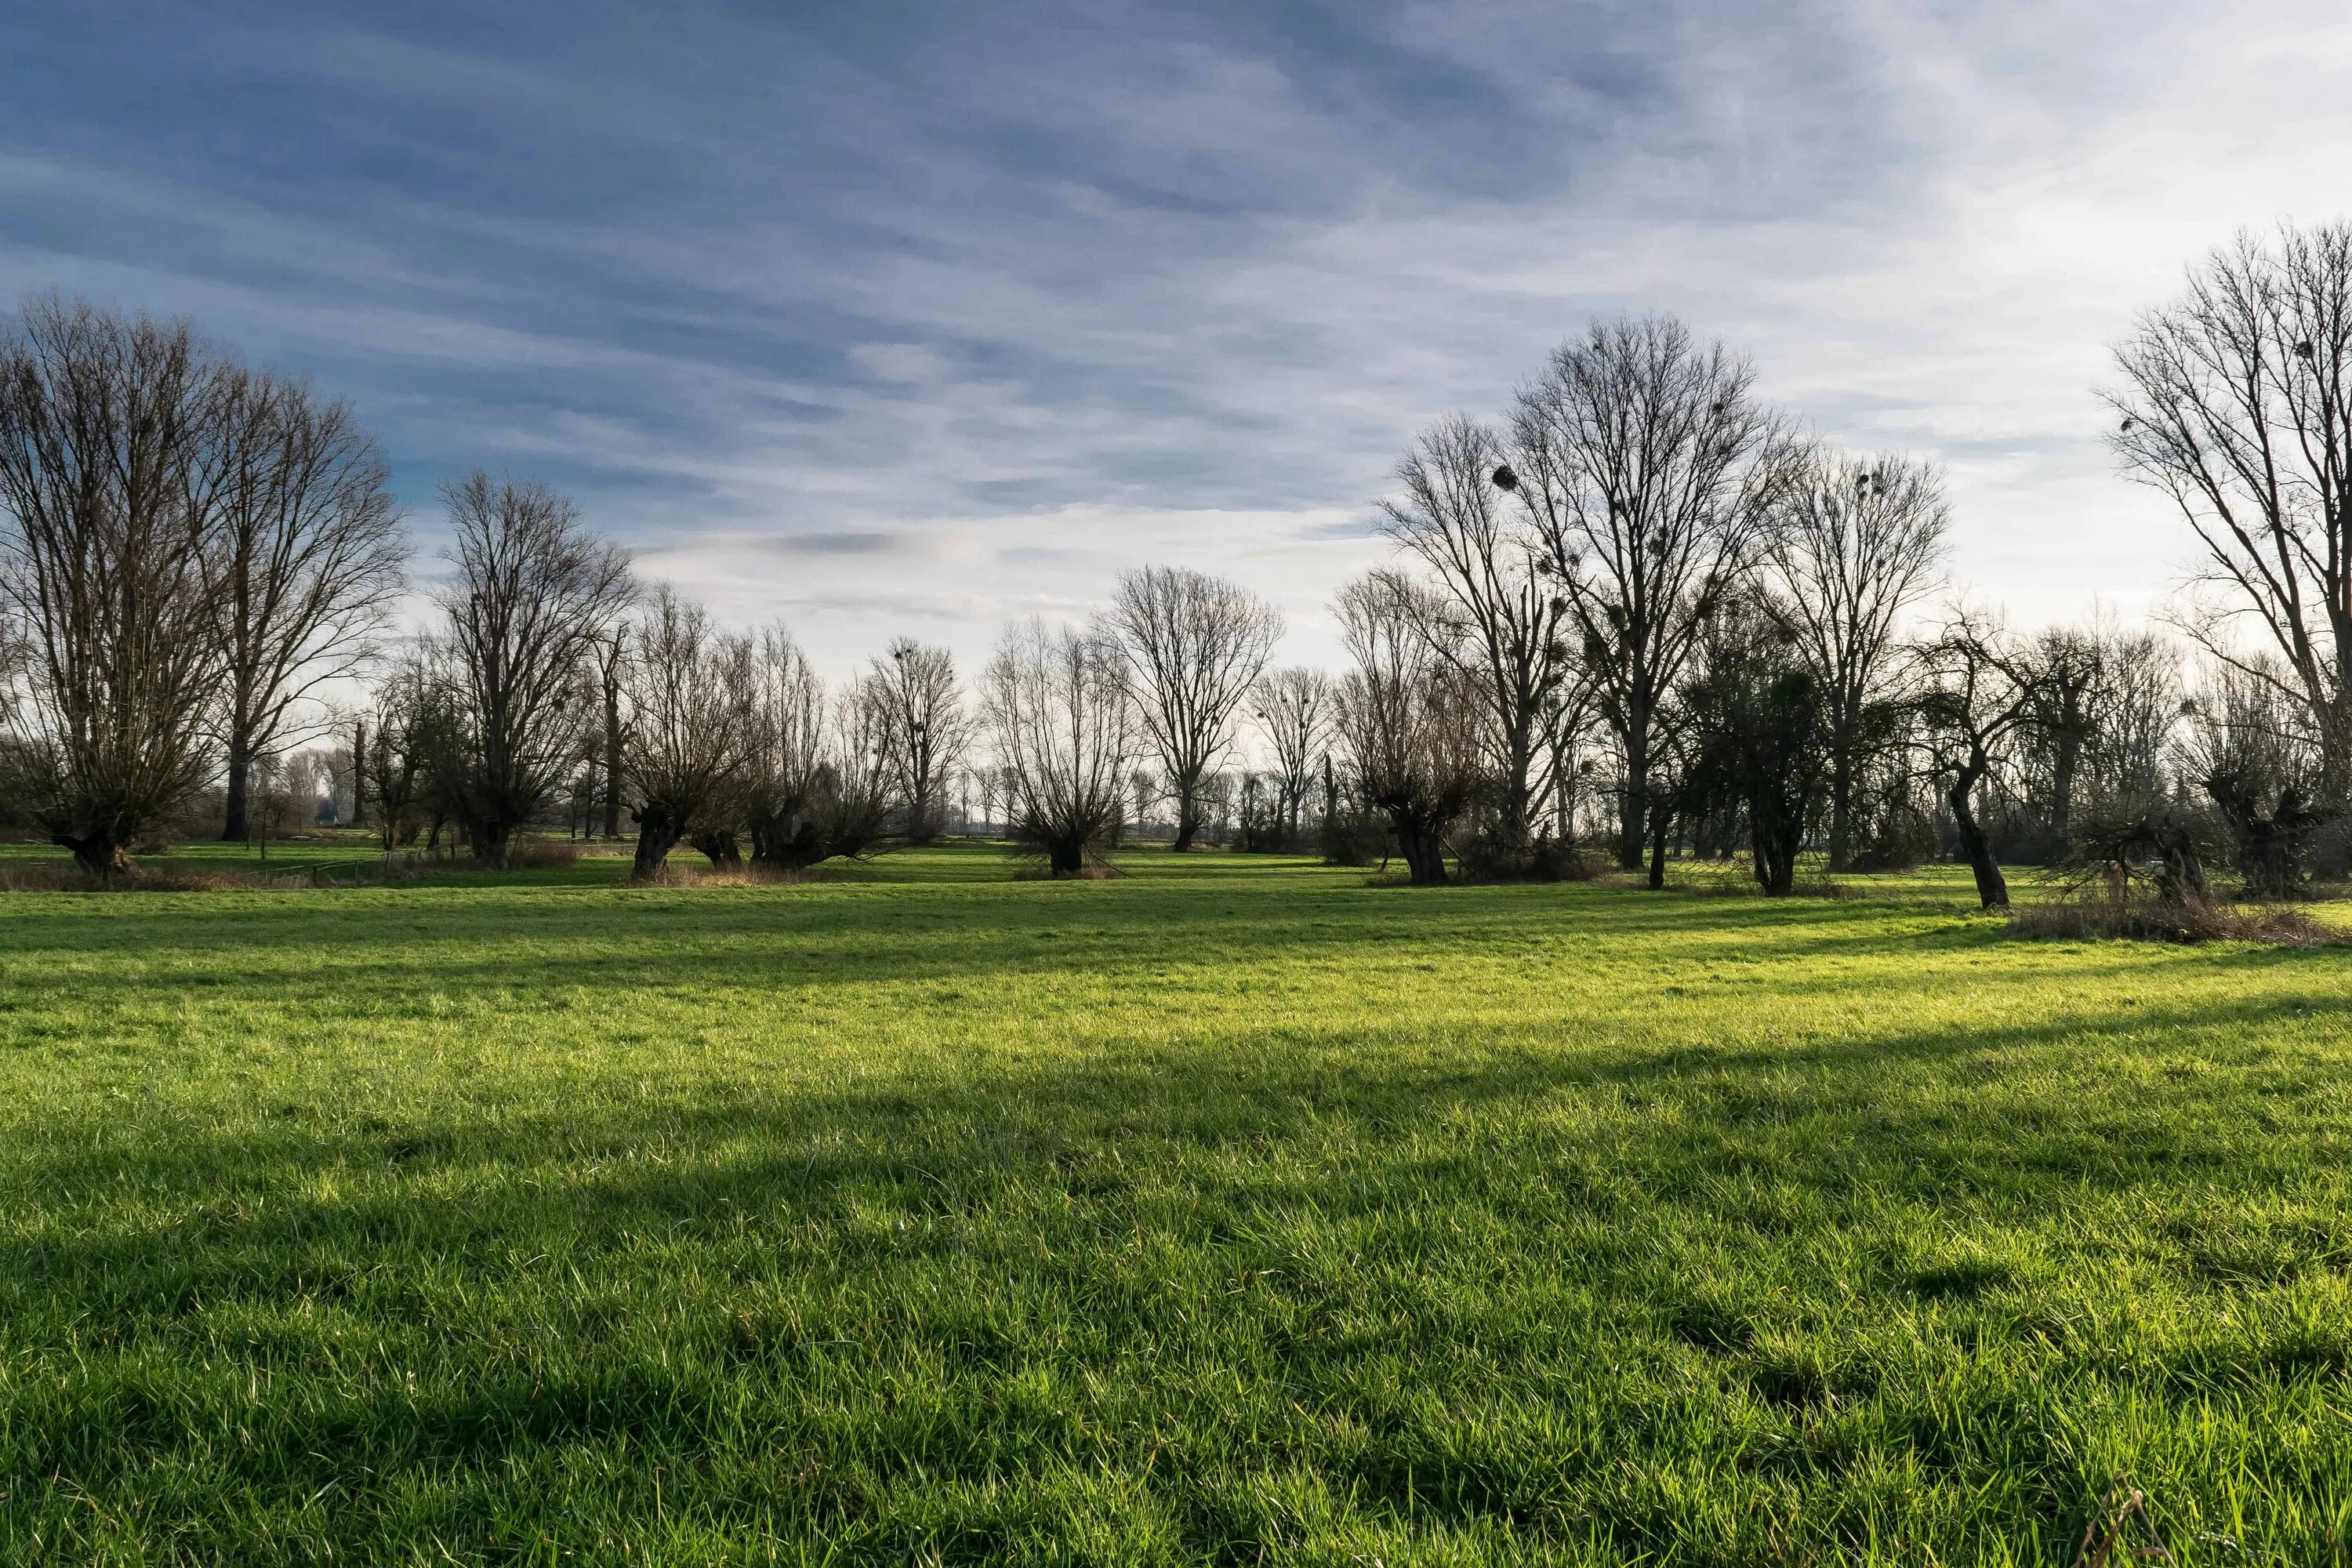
1229	1211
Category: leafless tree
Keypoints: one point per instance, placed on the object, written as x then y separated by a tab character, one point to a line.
1193	644
110	572
1410	730
611	654
785	725
535	592
1057	707
2237	403
1856	542
690	690
1293	712
924	727
1505	624
1979	691
311	562
1647	465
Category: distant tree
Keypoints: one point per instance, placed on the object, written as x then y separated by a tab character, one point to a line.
1856	542
2069	667
1760	732
1057	707
923	727
1979	691
1410	730
311	560
2252	750
416	745
689	691
110	569
786	726
1503	624
1293	712
1192	645
2237	403
1648	465
534	593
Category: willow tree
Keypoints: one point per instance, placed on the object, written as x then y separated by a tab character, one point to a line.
110	573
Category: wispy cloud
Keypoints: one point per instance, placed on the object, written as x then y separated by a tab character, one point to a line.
946	316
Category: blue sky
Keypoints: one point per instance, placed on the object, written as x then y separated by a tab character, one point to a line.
909	318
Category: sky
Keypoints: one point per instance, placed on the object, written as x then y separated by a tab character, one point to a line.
911	319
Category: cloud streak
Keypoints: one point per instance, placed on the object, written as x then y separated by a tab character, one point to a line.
942	316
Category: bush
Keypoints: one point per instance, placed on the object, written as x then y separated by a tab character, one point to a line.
1545	860
2092	917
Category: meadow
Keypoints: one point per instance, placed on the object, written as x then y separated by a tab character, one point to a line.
1229	1210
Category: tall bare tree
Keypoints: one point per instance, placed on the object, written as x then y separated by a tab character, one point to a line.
310	565
690	690
1294	712
1504	621
1647	463
1856	541
1410	730
535	592
924	727
1057	710
2237	403
1979	691
110	571
1193	644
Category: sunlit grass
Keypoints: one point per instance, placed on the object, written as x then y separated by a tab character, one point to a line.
1230	1209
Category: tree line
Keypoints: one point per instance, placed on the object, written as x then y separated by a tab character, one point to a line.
1646	594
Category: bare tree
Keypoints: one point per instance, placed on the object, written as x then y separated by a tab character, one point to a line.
535	592
1057	707
1410	729
1192	645
786	726
110	572
1504	623
2237	403
1979	691
311	559
1646	464
1856	542
924	728
1293	712
689	691
611	652
2251	749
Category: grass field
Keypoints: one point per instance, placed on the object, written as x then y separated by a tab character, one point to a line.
1231	1210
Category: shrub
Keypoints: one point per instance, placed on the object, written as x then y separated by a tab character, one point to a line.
2090	915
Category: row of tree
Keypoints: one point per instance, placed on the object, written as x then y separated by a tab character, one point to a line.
1645	588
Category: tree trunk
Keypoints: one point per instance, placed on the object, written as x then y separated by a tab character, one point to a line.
718	847
1992	889
1188	817
657	837
1661	824
611	757
1841	810
1424	855
237	818
1065	856
1633	816
98	855
2061	786
490	841
359	773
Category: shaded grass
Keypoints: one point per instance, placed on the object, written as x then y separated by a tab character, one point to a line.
1227	1210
